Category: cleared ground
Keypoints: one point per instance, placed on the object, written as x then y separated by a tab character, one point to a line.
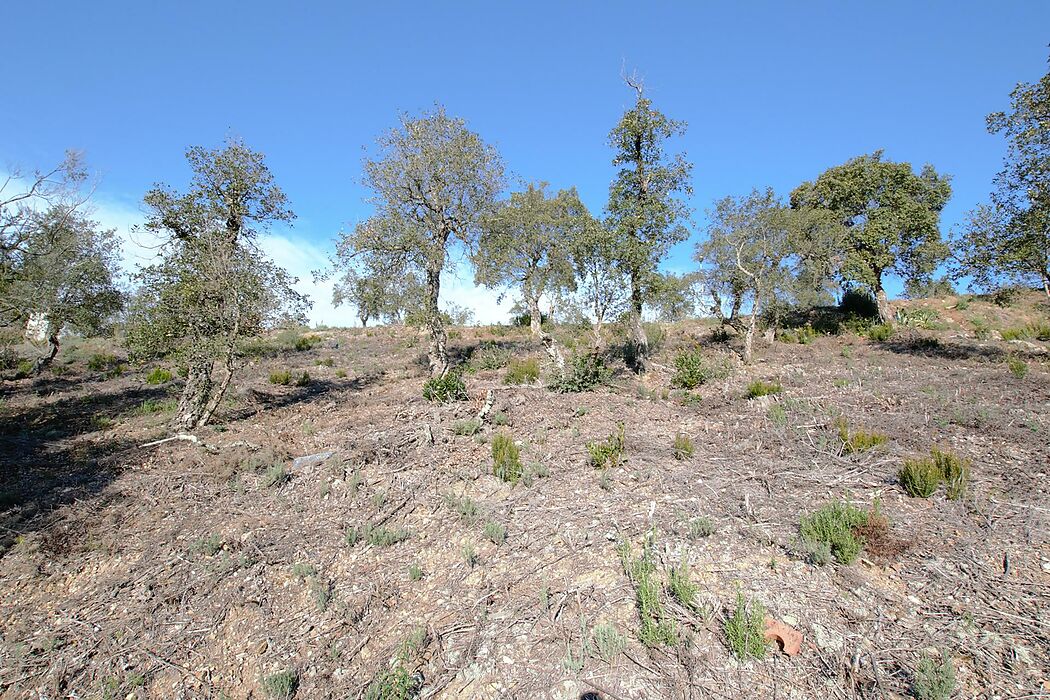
188	571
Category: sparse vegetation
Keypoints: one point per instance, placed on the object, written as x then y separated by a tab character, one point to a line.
158	375
656	627
585	372
934	679
759	388
745	629
445	389
495	533
832	528
525	371
608	452
854	441
281	685
683	447
506	458
692	369
921	476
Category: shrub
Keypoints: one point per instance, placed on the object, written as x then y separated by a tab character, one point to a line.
306	342
1018	367
395	684
656	628
746	629
490	356
681	588
466	427
525	371
918	318
158	375
834	525
858	440
608	642
470	555
151	406
341	373
1038	331
584	373
445	389
857	302
102	362
608	452
303	379
954	471
692	369
415	573
920	477
880	333
275	476
934	680
683	447
759	388
376	536
803	335
506	458
1006	296
701	527
281	685
282	377
495	532
326	362
465	506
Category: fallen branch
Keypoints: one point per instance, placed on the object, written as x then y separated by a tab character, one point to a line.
489	400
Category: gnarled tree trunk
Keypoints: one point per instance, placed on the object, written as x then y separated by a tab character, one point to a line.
882	301
45	361
639	340
535	316
195	394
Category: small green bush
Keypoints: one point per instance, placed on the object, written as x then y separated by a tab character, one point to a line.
1037	331
326	362
341	373
803	335
693	369
608	642
158	375
102	362
465	506
954	471
683	447
880	333
920	477
445	389
495	532
934	680
281	685
489	356
700	527
834	525
608	452
759	388
1018	367
682	588
306	342
466	427
151	406
303	379
275	476
376	536
395	684
281	377
855	441
525	371
415	573
1006	296
656	627
506	458
585	372
746	629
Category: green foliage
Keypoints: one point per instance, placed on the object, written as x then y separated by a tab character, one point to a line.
433	182
470	555
525	371
415	573
682	588
467	508
506	458
920	477
281	685
209	546
692	369
608	452
303	379
880	333
683	447
1018	367
803	335
445	389
890	213
102	362
701	527
489	356
759	388
466	427
213	287
158	375
656	627
834	525
1037	331
585	372
778	415
918	318
745	629
608	642
855	441
275	476
151	406
495	532
527	244
326	362
395	684
376	536
303	571
1009	238
282	377
934	680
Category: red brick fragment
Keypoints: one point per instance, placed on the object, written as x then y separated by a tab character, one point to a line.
788	639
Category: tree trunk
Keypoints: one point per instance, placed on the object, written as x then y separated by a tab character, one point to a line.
195	395
44	362
1046	285
219	391
749	338
535	317
438	352
553	351
639	340
882	301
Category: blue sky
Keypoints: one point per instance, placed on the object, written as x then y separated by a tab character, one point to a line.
773	92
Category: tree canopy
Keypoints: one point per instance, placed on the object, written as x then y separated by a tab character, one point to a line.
891	216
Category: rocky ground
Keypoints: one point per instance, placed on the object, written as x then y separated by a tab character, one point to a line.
376	564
